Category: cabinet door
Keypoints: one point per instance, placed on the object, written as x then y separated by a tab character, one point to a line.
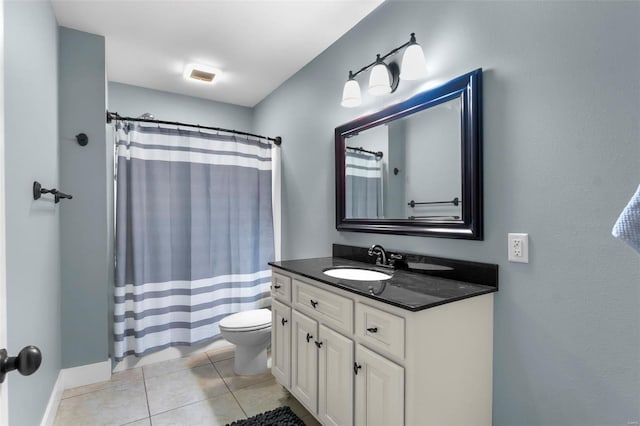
304	360
281	343
379	390
336	378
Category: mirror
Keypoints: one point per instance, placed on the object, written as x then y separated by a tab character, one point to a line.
415	168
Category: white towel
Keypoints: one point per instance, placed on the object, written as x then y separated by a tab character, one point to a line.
627	228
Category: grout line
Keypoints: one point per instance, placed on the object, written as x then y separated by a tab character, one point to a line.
135	421
232	355
193	403
230	391
146	395
239	405
223	380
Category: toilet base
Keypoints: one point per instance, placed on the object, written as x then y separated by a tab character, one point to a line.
250	360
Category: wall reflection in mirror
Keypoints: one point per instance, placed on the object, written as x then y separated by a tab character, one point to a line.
407	168
415	168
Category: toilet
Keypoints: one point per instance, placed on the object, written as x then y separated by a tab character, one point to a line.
250	331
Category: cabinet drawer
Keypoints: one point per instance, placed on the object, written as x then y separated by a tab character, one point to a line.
281	287
380	330
333	310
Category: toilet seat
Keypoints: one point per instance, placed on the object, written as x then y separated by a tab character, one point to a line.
255	319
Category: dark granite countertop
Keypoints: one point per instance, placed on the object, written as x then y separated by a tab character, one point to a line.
412	289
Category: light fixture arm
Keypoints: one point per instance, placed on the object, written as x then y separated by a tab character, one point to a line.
379	58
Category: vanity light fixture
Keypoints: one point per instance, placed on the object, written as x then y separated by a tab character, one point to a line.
351	94
384	77
201	73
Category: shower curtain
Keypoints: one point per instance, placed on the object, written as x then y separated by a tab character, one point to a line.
194	233
363	186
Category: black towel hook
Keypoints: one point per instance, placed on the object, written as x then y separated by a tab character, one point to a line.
38	190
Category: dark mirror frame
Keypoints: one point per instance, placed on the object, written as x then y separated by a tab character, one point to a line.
469	88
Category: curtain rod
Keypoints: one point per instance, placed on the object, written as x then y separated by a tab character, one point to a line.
378	154
115	116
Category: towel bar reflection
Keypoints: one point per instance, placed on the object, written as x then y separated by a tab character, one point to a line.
434	217
455	202
38	190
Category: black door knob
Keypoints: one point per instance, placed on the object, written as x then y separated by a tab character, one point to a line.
27	361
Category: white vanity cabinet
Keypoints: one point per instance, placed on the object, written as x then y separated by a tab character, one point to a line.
379	390
304	360
335	384
321	374
352	360
280	339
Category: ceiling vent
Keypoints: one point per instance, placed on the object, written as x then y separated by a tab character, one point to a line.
201	73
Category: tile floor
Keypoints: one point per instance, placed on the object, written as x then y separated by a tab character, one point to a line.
198	390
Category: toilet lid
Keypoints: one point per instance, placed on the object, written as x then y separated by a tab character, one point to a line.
254	319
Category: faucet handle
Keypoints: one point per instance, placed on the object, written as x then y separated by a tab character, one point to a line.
398	261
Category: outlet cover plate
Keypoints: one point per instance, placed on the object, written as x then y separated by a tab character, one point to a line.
518	247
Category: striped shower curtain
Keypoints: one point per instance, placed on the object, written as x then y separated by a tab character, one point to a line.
363	197
194	233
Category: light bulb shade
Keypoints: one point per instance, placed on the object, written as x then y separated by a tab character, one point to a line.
414	66
379	80
351	94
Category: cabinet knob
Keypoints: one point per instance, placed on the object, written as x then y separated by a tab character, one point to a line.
284	321
309	337
318	344
372	329
356	367
276	286
313	303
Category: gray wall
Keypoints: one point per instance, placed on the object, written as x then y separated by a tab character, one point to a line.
86	227
31	151
561	159
432	160
133	101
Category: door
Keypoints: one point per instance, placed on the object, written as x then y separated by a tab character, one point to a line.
379	390
4	403
335	385
304	360
281	343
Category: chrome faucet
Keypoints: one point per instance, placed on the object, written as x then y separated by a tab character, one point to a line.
388	260
380	253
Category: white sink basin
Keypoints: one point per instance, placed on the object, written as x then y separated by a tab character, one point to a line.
357	274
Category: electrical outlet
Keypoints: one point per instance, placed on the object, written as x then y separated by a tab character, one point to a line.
518	247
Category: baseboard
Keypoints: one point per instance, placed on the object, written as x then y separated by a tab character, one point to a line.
87	374
169	354
54	401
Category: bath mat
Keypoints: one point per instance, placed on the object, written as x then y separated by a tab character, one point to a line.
281	416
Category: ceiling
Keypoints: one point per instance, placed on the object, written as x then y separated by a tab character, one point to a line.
256	44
